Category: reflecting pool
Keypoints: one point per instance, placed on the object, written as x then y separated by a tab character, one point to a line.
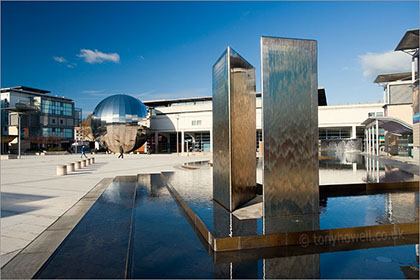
137	230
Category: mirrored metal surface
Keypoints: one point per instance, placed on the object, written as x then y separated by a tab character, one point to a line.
290	129
234	127
221	131
120	121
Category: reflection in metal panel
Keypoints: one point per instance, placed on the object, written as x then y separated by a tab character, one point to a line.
290	130
120	120
234	126
221	133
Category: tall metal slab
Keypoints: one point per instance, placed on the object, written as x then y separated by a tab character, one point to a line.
290	132
234	126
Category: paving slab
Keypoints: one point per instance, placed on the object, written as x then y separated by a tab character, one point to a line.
33	197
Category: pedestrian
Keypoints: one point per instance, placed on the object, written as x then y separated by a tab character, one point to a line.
83	152
121	153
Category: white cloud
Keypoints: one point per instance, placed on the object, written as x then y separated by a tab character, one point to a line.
92	91
385	63
59	59
145	93
98	57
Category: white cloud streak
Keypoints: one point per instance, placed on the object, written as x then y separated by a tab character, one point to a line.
92	91
95	56
59	59
385	63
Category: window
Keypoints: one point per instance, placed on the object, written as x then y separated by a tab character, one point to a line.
68	109
375	114
68	133
334	133
57	132
53	121
56	108
196	122
61	122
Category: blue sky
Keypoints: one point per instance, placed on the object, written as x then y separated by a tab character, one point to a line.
162	50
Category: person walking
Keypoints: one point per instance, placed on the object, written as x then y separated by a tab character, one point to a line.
83	152
121	153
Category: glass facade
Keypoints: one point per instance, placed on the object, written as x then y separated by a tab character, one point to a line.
56	107
334	133
57	132
4	117
202	142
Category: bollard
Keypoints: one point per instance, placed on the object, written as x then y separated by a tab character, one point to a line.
78	164
89	161
83	163
61	170
93	160
70	167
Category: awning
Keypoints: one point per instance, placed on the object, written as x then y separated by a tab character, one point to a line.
410	41
390	124
385	78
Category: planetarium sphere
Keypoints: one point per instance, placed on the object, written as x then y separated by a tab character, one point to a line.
120	121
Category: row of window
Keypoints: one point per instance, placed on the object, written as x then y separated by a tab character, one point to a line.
57	108
196	122
333	134
57	132
375	114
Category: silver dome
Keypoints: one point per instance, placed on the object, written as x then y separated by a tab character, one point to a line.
120	121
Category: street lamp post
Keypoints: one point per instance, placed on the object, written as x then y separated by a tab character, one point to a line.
19	121
177	135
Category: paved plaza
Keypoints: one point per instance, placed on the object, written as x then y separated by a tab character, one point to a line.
33	196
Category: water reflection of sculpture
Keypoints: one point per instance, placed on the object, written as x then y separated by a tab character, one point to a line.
121	120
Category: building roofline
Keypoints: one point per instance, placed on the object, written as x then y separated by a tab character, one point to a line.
43	94
351	105
25	88
189	99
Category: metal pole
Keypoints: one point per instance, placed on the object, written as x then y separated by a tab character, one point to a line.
385	102
413	69
373	140
377	137
365	141
19	116
177	135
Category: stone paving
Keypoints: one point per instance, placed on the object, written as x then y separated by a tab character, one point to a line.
33	196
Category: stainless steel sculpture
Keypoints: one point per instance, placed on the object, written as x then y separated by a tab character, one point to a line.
120	120
234	128
290	132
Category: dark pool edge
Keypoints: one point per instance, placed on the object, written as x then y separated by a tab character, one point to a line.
31	258
304	239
